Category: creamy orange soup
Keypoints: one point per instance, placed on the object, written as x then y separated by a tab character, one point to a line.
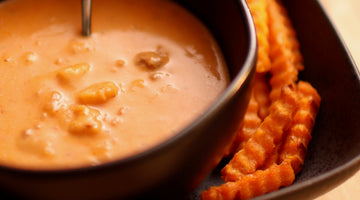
148	69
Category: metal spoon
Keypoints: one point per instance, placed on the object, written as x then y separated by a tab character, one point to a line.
86	17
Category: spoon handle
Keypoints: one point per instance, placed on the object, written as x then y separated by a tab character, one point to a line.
86	17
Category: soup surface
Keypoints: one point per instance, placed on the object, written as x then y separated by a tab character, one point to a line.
148	69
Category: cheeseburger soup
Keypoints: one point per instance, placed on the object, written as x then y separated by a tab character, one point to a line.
148	69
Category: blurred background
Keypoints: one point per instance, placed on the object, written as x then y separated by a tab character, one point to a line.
345	15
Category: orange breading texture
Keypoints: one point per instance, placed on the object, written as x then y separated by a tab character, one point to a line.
273	158
252	185
261	90
257	110
299	135
261	145
289	33
248	126
260	18
273	152
285	54
294	146
274	176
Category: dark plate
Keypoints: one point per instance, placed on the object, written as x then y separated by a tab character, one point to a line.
334	152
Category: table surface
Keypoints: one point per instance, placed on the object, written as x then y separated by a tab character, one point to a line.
345	14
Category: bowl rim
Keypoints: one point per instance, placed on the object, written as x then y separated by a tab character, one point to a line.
248	67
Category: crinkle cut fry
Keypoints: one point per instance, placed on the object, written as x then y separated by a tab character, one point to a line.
261	90
294	146
260	17
248	126
255	112
285	54
290	152
262	144
291	157
299	135
290	33
252	185
274	157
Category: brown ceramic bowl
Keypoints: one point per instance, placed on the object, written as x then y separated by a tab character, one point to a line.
178	165
334	152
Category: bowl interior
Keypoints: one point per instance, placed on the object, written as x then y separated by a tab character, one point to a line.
222	18
178	160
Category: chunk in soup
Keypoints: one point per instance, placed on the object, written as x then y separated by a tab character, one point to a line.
148	69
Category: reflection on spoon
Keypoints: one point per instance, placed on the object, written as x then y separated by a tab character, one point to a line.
86	17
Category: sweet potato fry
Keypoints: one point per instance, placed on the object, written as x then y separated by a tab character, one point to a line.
256	111
274	176
252	185
248	126
261	145
261	90
299	135
270	156
260	18
273	159
284	49
289	33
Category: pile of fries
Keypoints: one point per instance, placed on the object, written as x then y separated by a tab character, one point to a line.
272	141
